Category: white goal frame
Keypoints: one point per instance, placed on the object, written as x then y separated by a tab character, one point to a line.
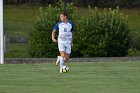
1	33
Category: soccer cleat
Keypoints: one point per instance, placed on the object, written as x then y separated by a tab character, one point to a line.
61	70
58	60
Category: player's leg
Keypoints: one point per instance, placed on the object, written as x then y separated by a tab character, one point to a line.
68	51
62	55
67	56
58	60
61	47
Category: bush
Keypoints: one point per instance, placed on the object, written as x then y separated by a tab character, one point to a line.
40	44
99	33
102	34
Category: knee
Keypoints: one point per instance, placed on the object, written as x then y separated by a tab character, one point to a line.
63	56
66	59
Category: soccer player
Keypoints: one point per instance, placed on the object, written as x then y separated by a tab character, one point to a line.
65	29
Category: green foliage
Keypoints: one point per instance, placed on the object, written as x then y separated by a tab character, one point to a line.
40	44
102	34
135	43
96	34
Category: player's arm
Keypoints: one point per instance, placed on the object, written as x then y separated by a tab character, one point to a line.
72	40
56	28
72	30
53	36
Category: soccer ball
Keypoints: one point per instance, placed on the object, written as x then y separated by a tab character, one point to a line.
65	69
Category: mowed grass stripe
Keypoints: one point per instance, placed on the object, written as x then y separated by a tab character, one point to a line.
100	77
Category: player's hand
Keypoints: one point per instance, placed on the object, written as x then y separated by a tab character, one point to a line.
54	40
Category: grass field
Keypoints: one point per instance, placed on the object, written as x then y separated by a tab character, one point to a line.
19	20
133	19
86	77
18	50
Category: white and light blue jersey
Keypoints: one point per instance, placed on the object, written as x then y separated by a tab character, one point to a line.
65	31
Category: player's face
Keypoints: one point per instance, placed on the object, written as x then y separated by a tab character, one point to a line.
63	18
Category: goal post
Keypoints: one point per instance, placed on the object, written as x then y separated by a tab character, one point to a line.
1	33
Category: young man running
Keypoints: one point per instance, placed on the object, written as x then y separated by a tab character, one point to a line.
65	29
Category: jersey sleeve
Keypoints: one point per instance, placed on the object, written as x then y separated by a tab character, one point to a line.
56	27
72	29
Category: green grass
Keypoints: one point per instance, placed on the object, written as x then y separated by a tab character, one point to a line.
133	19
19	20
101	77
17	50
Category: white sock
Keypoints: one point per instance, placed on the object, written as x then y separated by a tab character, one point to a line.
61	62
58	59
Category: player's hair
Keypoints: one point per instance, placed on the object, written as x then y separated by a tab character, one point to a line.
63	13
